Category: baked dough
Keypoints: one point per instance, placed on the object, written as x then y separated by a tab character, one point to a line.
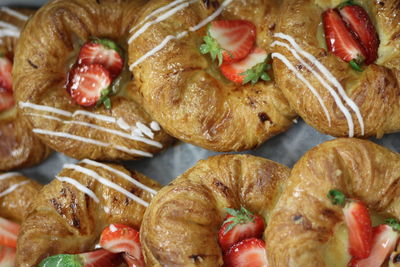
66	218
18	147
180	227
48	46
304	218
374	93
185	91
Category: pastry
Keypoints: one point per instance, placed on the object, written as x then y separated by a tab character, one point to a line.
18	148
307	229
71	82
347	83
180	227
70	213
186	91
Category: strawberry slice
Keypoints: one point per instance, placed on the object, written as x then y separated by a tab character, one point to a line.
359	23
98	258
229	40
118	238
104	52
7	257
5	73
247	253
250	69
89	84
359	225
384	242
6	99
8	233
340	40
132	261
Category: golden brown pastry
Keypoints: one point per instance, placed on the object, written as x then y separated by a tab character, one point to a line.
324	89
186	92
180	227
48	55
18	147
70	213
304	226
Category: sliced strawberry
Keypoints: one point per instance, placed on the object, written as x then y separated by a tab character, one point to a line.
359	22
132	261
7	257
5	73
384	242
247	253
6	99
239	225
359	225
340	40
89	84
250	69
98	258
122	238
229	40
104	52
8	233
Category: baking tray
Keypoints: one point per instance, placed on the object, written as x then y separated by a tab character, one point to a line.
285	148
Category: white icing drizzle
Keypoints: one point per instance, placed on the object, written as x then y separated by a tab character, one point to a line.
106	182
14	13
163	17
79	186
212	16
94	115
45	108
144	129
120	173
123	125
9	32
329	76
155	126
8	25
12	188
8	175
304	80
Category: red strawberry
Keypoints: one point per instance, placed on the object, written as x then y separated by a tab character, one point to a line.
247	253
359	22
8	233
88	84
384	242
98	258
229	40
121	238
104	52
5	73
340	40
7	257
132	261
252	68
359	225
239	225
6	99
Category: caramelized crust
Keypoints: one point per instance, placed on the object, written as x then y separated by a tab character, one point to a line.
180	227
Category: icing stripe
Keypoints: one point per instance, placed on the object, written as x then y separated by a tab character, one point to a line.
14	13
94	115
79	186
304	80
212	17
155	126
106	182
8	25
122	174
328	76
12	188
9	32
144	129
45	108
8	175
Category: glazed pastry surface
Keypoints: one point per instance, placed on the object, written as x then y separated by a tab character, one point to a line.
70	213
305	220
186	92
180	227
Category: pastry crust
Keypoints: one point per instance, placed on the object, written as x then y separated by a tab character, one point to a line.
375	91
304	219
18	147
186	92
66	219
180	227
48	46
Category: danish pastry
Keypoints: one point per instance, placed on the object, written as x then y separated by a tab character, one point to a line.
70	213
187	93
347	84
18	148
306	229
71	81
180	227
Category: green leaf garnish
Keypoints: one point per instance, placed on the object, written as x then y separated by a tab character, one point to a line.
337	197
240	216
395	224
346	3
105	98
257	72
107	43
212	47
64	260
355	66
